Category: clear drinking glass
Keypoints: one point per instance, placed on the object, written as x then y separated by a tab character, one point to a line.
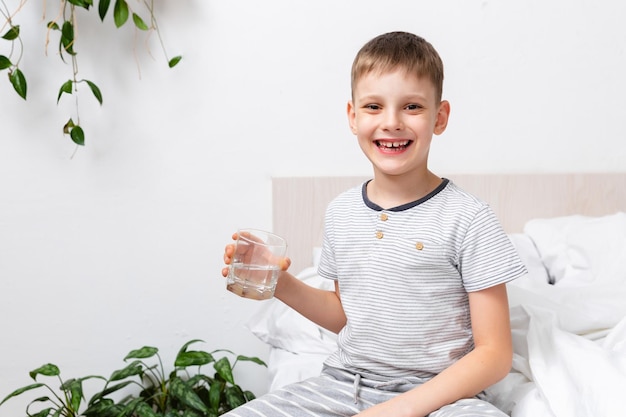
255	267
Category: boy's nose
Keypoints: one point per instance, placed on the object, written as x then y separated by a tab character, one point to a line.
392	121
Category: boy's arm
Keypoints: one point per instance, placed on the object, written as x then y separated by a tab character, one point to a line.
489	362
320	306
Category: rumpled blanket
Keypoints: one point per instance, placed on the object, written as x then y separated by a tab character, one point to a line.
570	353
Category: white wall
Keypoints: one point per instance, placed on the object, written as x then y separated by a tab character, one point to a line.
121	245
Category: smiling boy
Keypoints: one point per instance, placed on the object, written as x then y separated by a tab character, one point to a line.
419	265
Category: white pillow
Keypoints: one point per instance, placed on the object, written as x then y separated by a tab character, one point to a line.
581	250
281	326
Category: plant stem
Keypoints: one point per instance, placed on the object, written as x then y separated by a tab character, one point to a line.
8	16
8	21
153	22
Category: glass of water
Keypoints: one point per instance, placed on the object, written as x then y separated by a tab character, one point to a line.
254	270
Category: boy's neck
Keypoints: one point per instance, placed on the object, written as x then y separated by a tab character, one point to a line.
388	191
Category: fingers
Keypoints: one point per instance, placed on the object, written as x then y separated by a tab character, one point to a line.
229	253
229	250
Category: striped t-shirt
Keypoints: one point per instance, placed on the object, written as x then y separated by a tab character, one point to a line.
404	274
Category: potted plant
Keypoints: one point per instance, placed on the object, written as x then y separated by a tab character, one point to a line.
182	392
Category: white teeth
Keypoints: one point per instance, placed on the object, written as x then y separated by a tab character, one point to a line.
394	144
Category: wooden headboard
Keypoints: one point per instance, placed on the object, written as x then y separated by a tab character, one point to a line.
299	202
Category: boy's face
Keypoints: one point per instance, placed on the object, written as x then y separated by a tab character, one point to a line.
394	116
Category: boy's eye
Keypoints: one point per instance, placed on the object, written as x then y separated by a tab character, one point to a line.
372	106
413	107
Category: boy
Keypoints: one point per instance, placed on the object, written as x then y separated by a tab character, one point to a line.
419	265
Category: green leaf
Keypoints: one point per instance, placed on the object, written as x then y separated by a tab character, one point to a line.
85	4
129	408
174	61
184	359
137	407
234	396
4	62
84	378
249	395
183	393
99	408
44	413
120	12
41	399
98	397
184	347
144	410
67	37
48	369
65	386
103	8
224	369
198	379
95	90
68	126
12	33
65	88
134	368
76	393
78	135
22	390
53	25
19	82
215	394
143	353
139	23
251	359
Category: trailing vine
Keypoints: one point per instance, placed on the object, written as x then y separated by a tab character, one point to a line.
64	24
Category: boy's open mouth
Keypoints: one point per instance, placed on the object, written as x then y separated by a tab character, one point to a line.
393	145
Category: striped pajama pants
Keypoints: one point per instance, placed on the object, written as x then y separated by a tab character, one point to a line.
337	393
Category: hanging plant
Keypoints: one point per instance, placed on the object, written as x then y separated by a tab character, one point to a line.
64	25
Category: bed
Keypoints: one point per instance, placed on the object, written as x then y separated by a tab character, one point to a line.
568	314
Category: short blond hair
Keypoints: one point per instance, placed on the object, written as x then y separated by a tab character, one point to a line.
394	50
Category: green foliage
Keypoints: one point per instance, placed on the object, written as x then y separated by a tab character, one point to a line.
64	25
4	62
181	393
174	61
120	13
12	34
18	81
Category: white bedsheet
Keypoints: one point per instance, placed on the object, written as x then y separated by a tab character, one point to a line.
569	338
570	353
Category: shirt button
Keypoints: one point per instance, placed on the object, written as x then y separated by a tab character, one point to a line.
384	217
379	235
419	246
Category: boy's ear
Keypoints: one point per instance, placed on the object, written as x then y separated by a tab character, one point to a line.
442	117
351	116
